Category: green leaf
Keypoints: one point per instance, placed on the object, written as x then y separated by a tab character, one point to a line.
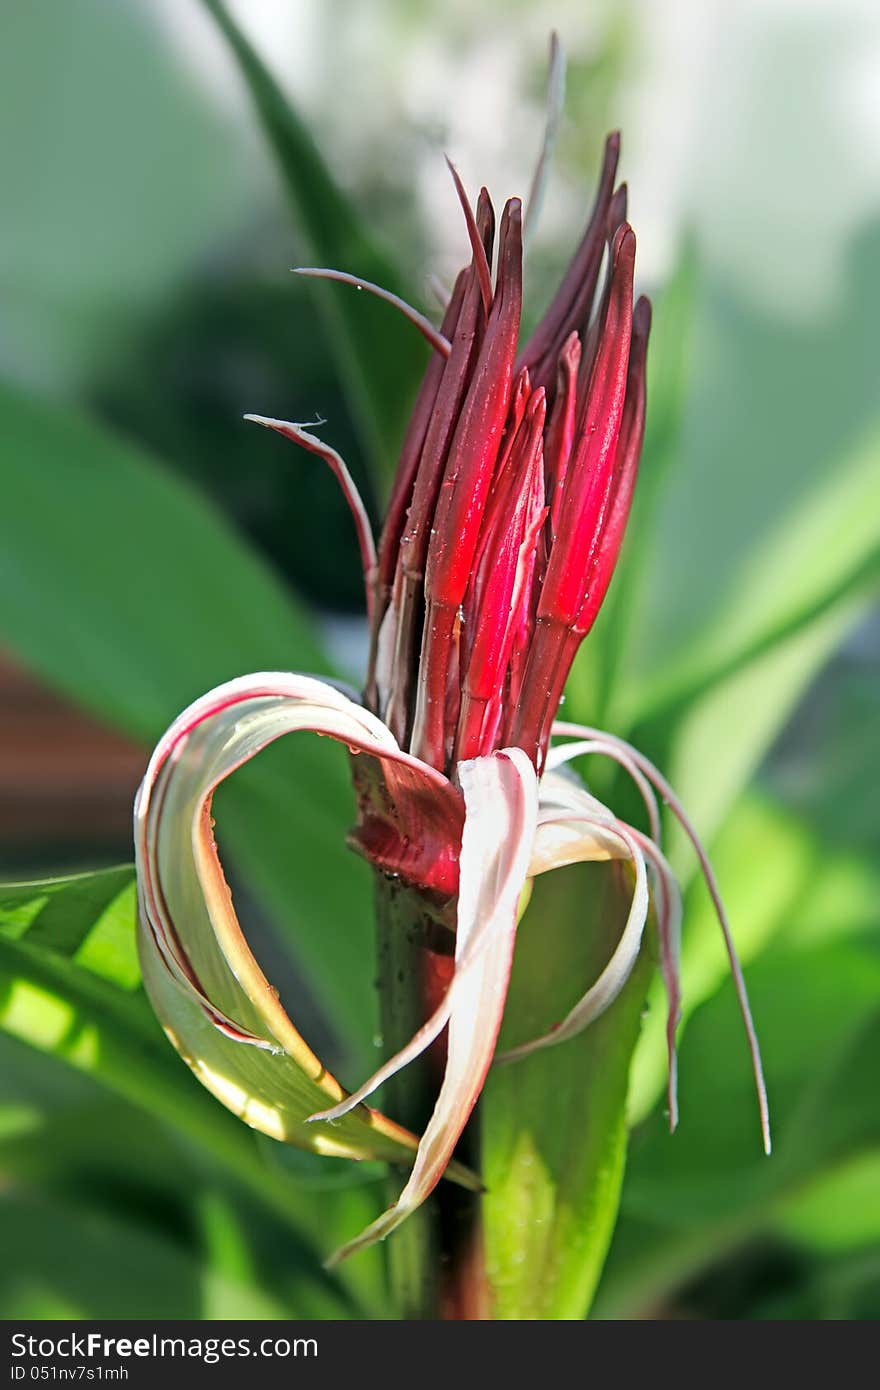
823	549
119	1270
63	1134
124	588
167	599
812	893
77	1142
817	833
695	1196
73	303
380	384
772	502
839	1210
553	1125
75	999
707	760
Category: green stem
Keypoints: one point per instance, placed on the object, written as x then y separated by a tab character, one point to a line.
436	1257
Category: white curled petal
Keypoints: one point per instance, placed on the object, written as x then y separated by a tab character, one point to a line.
573	827
563	792
501	796
612	979
667	896
208	991
562	728
566	752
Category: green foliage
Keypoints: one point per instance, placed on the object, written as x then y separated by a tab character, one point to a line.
690	1200
753	550
379	384
70	987
554	1132
168	602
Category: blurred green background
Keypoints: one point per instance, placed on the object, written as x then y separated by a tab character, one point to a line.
152	544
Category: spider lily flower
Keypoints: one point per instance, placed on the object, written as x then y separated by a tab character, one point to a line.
502	532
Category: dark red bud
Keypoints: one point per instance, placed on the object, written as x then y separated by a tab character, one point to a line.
570	308
588	479
465	487
496	593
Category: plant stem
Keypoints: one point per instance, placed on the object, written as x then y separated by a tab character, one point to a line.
435	1259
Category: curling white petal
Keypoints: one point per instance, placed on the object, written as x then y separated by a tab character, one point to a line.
501	796
207	989
566	752
612	979
562	728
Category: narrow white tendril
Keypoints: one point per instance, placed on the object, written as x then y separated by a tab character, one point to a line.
669	934
563	728
619	968
441	292
334	461
555	102
565	752
668	896
433	335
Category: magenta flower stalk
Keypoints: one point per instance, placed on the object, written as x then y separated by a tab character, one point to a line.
502	533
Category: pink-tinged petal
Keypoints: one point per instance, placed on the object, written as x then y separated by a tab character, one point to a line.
655	777
314	445
606	988
208	991
667	893
563	836
501	798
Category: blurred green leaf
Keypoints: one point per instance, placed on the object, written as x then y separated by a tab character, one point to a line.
810	894
716	743
126	590
65	1134
845	1289
839	1210
553	1125
118	1271
814	830
166	599
692	1197
772	503
594	681
380	384
92	1017
85	91
824	548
